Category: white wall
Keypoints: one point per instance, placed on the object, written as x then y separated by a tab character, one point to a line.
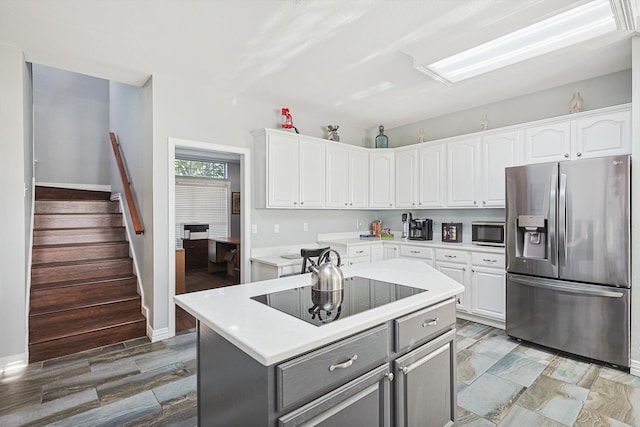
71	111
15	172
604	91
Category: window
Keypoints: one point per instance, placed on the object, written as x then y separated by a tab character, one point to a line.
201	168
204	201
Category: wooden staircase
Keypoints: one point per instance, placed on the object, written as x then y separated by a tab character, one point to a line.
83	289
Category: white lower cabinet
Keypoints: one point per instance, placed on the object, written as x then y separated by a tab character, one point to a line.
454	263
391	251
488	280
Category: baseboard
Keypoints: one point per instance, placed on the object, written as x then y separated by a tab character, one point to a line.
88	187
479	319
634	368
157	334
13	362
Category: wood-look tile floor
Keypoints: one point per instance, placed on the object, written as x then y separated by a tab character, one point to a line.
137	383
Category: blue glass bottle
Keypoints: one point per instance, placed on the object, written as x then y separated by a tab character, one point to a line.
381	140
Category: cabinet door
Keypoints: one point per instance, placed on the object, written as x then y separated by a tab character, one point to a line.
391	251
547	143
312	169
358	178
463	176
282	164
426	384
488	292
377	252
604	135
457	272
363	402
381	177
431	180
406	181
499	151
337	176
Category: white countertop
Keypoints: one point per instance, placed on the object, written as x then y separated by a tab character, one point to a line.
271	336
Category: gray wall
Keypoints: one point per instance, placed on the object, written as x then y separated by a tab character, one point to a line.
15	209
71	112
126	120
604	91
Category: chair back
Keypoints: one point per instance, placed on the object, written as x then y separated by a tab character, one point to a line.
307	254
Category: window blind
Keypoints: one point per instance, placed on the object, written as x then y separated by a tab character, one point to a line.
202	201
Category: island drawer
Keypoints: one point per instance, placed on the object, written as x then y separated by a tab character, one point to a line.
421	325
330	366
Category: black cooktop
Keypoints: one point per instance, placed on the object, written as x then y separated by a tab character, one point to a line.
318	308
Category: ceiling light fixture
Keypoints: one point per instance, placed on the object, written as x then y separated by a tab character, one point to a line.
579	24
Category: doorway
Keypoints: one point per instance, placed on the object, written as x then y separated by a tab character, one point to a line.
226	259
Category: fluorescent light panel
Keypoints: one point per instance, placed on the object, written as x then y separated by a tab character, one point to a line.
570	27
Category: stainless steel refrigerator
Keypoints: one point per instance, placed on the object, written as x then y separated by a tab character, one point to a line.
568	256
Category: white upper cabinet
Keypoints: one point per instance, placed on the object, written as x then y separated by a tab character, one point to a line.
282	171
431	175
294	168
407	174
358	177
311	164
463	172
603	135
499	151
381	178
605	132
550	142
347	177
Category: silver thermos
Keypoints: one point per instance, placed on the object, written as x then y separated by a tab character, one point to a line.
406	220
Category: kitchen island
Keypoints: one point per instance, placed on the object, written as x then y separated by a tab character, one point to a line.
260	366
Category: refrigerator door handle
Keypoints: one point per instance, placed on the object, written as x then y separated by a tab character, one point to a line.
565	287
552	219
562	221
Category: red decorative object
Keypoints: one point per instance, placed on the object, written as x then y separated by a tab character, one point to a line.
287	120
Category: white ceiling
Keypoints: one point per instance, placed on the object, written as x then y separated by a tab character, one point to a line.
354	57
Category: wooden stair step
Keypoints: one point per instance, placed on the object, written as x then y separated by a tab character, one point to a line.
75	206
44	193
75	343
75	252
71	295
78	270
78	235
65	323
49	221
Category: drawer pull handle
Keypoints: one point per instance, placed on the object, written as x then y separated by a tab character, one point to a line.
404	370
489	260
359	252
450	256
415	252
432	322
344	365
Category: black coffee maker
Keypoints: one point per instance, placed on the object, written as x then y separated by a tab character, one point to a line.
420	229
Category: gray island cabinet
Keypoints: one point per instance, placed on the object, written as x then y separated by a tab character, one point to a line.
392	365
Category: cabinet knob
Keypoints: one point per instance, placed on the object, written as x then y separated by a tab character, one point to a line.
295	203
302	203
458	301
350	204
484	202
404	370
390	204
566	155
346	204
475	203
389	376
579	154
413	204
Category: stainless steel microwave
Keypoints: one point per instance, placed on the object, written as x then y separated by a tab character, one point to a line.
487	233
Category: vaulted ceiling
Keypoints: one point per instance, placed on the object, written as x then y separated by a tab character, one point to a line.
354	57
